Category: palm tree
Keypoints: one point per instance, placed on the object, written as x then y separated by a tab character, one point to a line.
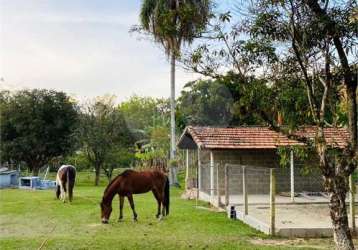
172	23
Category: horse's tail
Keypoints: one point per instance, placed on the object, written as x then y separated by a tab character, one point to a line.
71	177
58	190
68	186
166	196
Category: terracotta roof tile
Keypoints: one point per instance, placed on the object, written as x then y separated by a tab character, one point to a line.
255	137
336	137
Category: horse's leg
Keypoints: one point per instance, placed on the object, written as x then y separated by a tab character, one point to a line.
70	192
62	190
58	187
70	185
63	195
121	203
155	193
162	195
65	185
131	202
58	191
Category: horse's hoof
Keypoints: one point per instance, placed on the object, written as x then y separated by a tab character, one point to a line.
135	219
120	220
160	218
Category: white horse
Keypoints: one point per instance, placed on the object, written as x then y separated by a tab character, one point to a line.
65	181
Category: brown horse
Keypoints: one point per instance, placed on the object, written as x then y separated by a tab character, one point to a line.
65	181
132	182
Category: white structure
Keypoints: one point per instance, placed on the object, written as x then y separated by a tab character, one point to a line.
9	178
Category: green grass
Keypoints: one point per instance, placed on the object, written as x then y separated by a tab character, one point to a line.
30	218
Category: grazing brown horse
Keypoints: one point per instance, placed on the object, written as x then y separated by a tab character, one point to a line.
132	182
65	181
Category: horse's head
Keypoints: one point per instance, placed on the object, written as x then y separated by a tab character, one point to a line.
106	211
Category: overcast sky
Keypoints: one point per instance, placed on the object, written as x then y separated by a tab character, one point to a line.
82	47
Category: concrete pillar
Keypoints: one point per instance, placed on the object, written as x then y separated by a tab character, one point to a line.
218	194
187	169
351	204
226	185
272	201
292	168
211	175
199	173
244	191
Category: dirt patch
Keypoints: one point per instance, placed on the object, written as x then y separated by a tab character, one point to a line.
94	225
190	194
277	242
314	244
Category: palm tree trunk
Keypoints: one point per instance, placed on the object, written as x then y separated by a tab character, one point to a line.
98	173
172	175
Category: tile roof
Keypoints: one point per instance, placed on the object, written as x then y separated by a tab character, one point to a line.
336	137
251	137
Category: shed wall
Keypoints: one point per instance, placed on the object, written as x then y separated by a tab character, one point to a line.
8	179
258	163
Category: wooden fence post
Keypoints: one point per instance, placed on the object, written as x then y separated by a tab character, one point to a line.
351	204
226	185
292	168
272	200
244	190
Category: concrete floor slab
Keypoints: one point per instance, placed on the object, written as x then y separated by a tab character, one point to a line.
258	199
307	216
293	220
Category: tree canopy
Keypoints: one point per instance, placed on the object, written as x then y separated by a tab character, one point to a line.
103	132
173	22
36	126
304	54
142	113
149	120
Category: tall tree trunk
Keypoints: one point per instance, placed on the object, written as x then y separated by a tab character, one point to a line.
35	171
352	114
336	184
172	171
338	181
338	212
98	172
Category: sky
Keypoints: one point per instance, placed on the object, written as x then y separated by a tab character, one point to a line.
82	47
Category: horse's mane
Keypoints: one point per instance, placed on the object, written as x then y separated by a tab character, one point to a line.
124	173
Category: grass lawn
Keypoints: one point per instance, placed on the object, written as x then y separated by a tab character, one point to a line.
29	219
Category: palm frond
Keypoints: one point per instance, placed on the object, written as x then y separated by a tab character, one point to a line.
172	22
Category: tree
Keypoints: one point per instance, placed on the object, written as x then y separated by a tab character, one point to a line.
122	156
320	36
234	100
173	23
149	119
154	153
312	44
143	113
205	102
138	112
36	126
102	131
